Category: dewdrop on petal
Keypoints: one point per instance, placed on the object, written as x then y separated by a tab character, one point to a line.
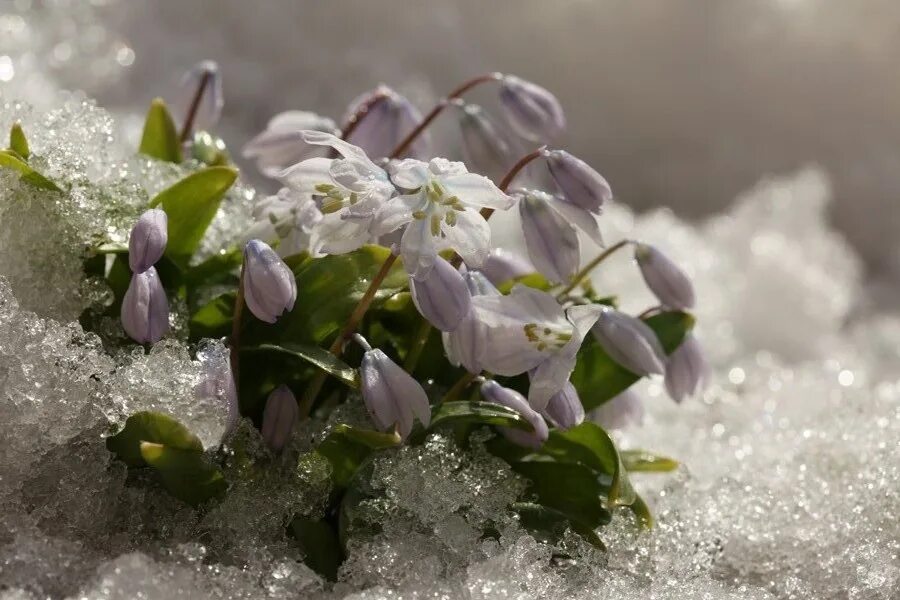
145	308
664	278
279	417
442	296
629	342
496	393
579	183
564	410
687	371
532	111
393	398
269	286
148	240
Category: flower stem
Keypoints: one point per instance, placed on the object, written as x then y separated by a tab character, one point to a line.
195	104
235	340
417	346
580	275
439	108
461	384
511	175
650	311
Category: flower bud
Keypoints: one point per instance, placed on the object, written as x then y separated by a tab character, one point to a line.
281	145
465	345
148	240
392	397
145	308
205	73
502	265
579	183
496	393
279	417
216	384
532	111
390	118
619	412
269	285
442	296
664	278
552	241
629	342
564	410
687	371
485	148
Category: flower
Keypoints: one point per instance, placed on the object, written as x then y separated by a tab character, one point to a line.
564	410
391	395
465	345
145	308
502	265
281	144
532	111
630	342
269	285
216	384
388	120
549	223
529	331
667	282
485	147
148	240
439	211
496	393
279	417
620	411
290	216
347	190
687	371
442	296
579	183
209	109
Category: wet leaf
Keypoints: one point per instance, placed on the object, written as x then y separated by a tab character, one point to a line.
160	139
12	160
315	355
18	143
187	474
152	427
477	413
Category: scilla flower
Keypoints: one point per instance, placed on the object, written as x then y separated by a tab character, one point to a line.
439	211
387	122
564	410
496	393
465	345
579	183
288	216
148	240
281	144
502	265
145	308
532	111
484	144
620	412
529	331
629	342
392	397
347	190
216	385
686	370
279	417
269	285
442	296
205	73
667	282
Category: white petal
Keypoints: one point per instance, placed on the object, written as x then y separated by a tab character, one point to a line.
305	176
347	150
476	190
334	235
470	237
580	218
409	173
441	167
551	241
549	378
298	120
396	213
418	248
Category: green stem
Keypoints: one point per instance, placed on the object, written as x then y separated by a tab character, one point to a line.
580	275
235	339
458	388
418	345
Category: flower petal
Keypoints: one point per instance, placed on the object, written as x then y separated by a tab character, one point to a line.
470	237
551	241
409	173
396	213
418	248
476	190
580	218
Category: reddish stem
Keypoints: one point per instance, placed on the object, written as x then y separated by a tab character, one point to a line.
195	104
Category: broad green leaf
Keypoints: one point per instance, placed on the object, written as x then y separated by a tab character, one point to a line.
549	524
160	139
213	319
18	143
643	461
598	378
534	280
320	545
478	413
191	205
12	160
187	474
570	488
151	427
346	448
218	268
315	355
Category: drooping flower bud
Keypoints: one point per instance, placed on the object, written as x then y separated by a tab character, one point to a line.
619	412
148	240
279	417
465	345
442	296
485	147
579	183
564	410
664	278
269	285
204	74
216	385
687	371
532	111
502	265
390	118
629	342
281	145
392	397
496	393
145	308
552	241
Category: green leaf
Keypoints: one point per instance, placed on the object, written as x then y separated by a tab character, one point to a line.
569	488
191	205
218	268
187	474
643	461
346	448
213	319
11	160
317	356
18	143
160	139
478	413
549	524
320	545
152	427
598	378
534	280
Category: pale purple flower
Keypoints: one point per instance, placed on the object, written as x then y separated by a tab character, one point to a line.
529	331
210	108
269	285
532	111
502	265
279	417
564	410
619	412
496	393
579	183
485	146
148	240
392	397
465	345
145	308
629	342
439	210
664	278
281	144
442	296
289	217
687	371
388	121
216	385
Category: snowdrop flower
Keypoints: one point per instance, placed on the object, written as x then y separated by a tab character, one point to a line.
620	412
269	285
210	108
579	183
281	144
687	371
148	240
502	265
465	345
440	211
288	216
485	147
496	393
630	342
279	417
529	331
532	111
392	397
442	296
564	410
390	118
549	224
145	308
667	282
347	190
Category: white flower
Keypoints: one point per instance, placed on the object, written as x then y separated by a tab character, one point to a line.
281	144
440	211
288	216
